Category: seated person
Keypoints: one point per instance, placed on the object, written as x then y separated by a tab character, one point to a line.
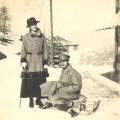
66	89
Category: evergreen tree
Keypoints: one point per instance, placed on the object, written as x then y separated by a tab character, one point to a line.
4	21
4	26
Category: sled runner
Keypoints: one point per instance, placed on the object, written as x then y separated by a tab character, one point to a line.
84	106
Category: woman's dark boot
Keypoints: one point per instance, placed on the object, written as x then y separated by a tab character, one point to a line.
38	102
31	103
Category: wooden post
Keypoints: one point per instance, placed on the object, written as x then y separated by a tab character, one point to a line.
117	6
117	31
51	24
117	27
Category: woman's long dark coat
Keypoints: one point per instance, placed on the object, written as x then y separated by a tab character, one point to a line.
34	52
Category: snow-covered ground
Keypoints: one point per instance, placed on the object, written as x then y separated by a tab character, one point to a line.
95	87
10	82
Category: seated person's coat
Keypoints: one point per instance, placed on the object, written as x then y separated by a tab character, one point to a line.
67	88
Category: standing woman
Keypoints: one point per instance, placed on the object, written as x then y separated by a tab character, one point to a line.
34	57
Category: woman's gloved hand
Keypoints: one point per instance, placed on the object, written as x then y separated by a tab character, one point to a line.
45	66
24	65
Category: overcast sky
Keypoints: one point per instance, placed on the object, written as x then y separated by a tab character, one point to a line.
75	20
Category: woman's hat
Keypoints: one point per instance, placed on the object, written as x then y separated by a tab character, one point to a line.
32	21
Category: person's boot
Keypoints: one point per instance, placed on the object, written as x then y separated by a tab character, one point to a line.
66	108
39	103
31	103
72	112
47	105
